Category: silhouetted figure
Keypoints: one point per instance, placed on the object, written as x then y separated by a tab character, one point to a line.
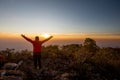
37	45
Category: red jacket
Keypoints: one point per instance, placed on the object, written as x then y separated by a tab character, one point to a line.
37	45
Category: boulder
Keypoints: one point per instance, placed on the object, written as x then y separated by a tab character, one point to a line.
10	66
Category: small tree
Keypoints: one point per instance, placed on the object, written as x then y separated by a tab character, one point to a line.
88	50
90	45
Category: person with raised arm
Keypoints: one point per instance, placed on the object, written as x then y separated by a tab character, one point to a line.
37	45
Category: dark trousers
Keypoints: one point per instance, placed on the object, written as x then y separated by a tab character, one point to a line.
37	59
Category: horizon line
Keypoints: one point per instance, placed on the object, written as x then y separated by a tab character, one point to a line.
64	35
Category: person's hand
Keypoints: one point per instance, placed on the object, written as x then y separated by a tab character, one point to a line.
22	35
51	36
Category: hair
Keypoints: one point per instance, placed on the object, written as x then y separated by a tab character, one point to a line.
36	38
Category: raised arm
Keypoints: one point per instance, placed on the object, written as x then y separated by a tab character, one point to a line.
26	38
47	39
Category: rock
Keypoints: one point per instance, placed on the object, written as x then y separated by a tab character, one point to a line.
64	76
10	66
12	75
12	78
13	72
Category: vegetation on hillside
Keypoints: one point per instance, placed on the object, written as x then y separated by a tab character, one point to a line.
85	61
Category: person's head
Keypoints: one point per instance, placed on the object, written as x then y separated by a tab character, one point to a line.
36	38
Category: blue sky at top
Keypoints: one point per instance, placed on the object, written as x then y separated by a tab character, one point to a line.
60	16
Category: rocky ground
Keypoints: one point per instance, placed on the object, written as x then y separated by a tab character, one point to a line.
26	71
71	62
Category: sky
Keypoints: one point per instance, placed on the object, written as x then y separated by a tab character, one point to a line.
66	18
60	16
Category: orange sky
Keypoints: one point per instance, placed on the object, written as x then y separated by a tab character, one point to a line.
63	36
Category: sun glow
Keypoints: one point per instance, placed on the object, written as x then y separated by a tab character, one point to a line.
45	35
